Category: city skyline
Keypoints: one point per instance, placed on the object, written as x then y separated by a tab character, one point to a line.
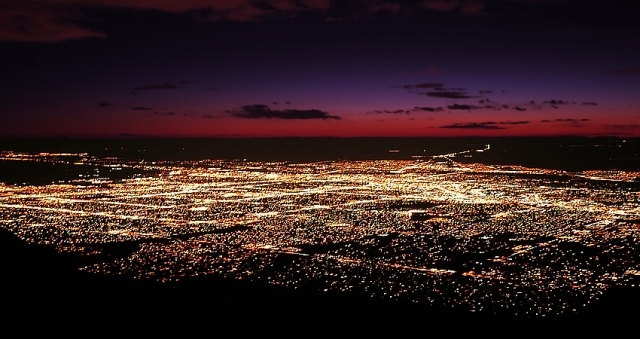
319	68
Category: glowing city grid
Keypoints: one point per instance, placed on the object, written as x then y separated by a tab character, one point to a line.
492	239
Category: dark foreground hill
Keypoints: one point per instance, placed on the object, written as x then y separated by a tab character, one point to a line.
44	295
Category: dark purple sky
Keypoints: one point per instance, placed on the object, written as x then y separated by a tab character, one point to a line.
96	68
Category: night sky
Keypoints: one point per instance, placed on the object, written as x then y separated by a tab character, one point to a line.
241	68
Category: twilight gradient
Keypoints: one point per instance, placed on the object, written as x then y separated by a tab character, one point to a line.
106	68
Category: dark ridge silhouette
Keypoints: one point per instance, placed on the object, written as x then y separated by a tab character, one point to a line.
43	173
45	294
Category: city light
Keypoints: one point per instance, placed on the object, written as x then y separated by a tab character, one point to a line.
489	239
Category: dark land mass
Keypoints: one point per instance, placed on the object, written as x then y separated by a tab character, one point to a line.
44	294
564	153
45	173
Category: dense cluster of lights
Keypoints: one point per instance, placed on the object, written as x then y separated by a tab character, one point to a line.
496	239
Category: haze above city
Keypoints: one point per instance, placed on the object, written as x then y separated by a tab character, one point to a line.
242	68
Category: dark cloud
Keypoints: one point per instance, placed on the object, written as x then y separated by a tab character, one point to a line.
407	111
521	122
488	91
263	111
428	109
53	21
437	90
462	107
449	94
556	102
34	21
104	104
522	107
263	5
160	114
571	120
141	108
166	85
450	6
424	85
210	116
398	111
475	125
625	71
